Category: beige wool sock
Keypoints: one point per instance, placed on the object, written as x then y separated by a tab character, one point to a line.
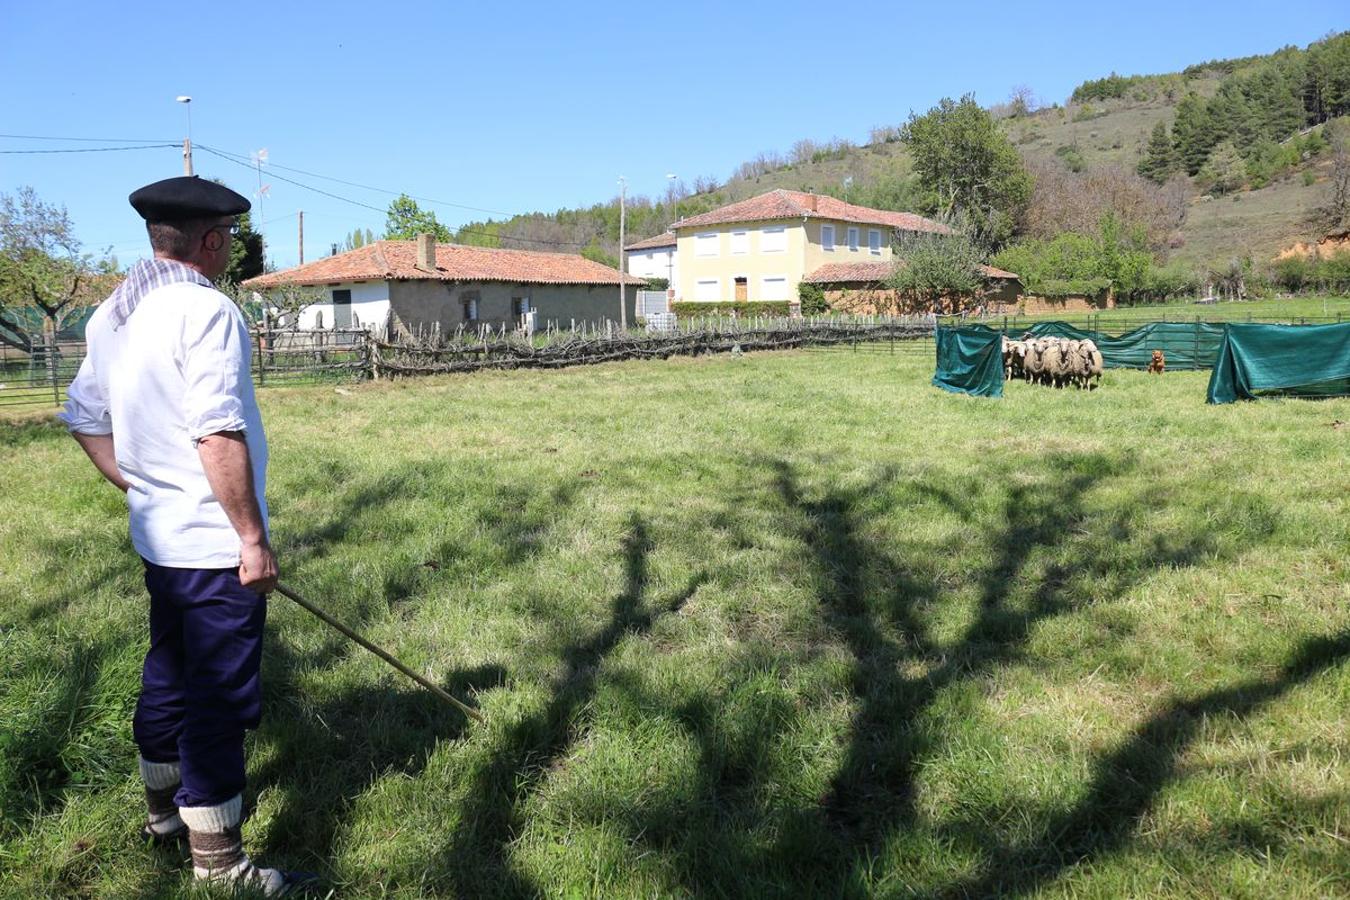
218	849
162	781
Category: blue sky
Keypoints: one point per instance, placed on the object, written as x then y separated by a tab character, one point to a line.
515	107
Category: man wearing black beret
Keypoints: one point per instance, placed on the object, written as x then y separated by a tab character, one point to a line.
164	407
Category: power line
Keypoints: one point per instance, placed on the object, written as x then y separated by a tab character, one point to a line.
250	166
229	157
93	149
368	187
42	137
239	159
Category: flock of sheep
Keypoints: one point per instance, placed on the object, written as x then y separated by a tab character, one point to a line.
1053	360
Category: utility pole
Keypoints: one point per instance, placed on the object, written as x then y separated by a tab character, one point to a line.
187	141
302	237
623	293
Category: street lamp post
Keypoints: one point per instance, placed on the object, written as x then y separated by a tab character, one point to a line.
674	197
670	253
187	141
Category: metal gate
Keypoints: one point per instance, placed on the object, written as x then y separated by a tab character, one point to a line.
650	303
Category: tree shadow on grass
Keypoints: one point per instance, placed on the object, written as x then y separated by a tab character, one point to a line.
516	521
15	435
322	756
1126	781
37	761
476	861
1043	559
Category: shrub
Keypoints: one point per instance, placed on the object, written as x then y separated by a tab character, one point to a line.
1072	157
812	299
1292	273
1333	272
692	309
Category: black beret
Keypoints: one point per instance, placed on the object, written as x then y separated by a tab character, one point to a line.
187	197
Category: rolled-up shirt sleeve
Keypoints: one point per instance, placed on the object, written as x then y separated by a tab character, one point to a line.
215	372
86	410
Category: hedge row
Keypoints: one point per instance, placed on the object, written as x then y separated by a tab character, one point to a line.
742	309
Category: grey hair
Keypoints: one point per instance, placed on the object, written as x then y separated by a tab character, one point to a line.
177	239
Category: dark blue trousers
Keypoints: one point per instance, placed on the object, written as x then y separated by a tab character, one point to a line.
200	688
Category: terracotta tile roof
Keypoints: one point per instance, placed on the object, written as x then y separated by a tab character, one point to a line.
845	273
396	261
873	273
783	204
661	240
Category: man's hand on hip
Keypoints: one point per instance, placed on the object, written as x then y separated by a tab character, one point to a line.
258	567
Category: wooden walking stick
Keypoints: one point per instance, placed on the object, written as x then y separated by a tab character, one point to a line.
464	708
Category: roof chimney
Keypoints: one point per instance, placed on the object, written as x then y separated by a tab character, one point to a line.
811	202
426	252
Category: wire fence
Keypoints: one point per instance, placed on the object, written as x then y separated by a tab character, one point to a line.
38	378
320	356
467	350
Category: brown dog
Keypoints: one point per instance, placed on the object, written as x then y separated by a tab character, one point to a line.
1158	364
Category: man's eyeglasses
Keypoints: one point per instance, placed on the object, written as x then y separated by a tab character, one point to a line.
232	228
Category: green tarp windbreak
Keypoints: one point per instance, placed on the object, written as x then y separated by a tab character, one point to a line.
1186	345
970	360
1289	360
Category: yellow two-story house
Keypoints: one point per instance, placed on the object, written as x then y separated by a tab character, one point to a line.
762	248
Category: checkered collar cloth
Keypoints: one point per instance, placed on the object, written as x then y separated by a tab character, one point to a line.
143	278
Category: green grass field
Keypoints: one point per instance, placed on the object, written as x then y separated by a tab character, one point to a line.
789	625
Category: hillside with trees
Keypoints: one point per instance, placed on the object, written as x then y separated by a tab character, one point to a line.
1208	172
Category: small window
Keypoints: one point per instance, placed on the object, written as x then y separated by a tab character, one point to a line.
740	243
853	239
470	302
708	289
773	239
706	244
519	306
774	287
874	241
827	237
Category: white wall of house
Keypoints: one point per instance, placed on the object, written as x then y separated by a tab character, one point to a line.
655	262
369	309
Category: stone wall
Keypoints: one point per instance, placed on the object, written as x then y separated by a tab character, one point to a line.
430	304
868	300
1030	304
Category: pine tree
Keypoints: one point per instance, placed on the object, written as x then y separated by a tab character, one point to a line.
1194	132
246	253
1160	159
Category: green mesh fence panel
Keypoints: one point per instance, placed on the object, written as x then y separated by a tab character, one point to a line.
970	360
1187	345
1290	360
30	320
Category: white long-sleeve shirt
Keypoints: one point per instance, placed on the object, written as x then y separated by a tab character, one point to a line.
175	372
